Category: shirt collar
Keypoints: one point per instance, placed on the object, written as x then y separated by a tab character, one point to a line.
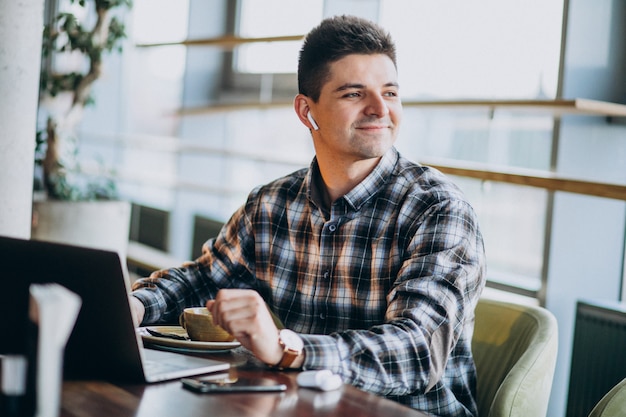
314	182
363	191
367	188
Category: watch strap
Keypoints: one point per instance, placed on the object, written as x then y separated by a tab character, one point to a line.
288	357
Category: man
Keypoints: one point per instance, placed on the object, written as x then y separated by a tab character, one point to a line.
374	263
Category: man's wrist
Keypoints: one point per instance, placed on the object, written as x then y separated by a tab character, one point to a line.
292	350
137	308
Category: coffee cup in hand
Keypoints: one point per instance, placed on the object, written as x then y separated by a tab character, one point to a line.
198	322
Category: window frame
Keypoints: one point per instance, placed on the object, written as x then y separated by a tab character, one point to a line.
248	87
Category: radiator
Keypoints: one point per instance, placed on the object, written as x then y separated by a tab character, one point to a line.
598	354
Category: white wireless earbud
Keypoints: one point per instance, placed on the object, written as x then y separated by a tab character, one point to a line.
315	126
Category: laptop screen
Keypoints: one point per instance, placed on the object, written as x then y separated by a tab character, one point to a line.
103	344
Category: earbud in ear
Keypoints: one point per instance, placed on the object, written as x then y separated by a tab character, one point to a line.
315	126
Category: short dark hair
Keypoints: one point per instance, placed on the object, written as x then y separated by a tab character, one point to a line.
333	39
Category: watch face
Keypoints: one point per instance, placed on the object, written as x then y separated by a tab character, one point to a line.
291	340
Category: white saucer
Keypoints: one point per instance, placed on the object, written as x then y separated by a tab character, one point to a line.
182	344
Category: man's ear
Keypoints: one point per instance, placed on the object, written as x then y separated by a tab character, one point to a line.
303	109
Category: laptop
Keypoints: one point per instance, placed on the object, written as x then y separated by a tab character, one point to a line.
104	343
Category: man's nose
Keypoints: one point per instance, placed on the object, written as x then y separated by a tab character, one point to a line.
376	106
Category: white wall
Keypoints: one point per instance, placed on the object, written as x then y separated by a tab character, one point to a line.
21	25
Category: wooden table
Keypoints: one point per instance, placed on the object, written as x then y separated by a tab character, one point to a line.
169	399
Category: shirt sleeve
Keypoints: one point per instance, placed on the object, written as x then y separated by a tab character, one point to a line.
226	262
429	318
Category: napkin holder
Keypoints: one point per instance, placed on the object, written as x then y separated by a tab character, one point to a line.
32	382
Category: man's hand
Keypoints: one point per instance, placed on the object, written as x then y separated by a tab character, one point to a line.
244	314
137	309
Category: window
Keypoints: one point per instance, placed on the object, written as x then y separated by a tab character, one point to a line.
483	50
478	49
274	18
156	74
266	72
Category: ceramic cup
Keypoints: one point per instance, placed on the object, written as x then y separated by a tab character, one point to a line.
199	325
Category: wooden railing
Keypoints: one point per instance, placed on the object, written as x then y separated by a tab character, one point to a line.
532	178
225	42
526	177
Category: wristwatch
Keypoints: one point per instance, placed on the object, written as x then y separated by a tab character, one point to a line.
292	346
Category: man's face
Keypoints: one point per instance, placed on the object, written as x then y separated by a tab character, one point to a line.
359	109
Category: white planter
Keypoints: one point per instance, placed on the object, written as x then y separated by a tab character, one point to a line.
95	224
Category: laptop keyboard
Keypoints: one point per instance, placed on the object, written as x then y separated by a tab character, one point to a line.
156	367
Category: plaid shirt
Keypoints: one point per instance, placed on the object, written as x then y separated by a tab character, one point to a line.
382	288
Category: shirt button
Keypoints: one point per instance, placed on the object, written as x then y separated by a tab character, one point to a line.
332	227
326	275
323	316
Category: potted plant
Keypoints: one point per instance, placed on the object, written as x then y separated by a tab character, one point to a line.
75	43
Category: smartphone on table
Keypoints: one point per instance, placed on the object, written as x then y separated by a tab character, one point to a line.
231	385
